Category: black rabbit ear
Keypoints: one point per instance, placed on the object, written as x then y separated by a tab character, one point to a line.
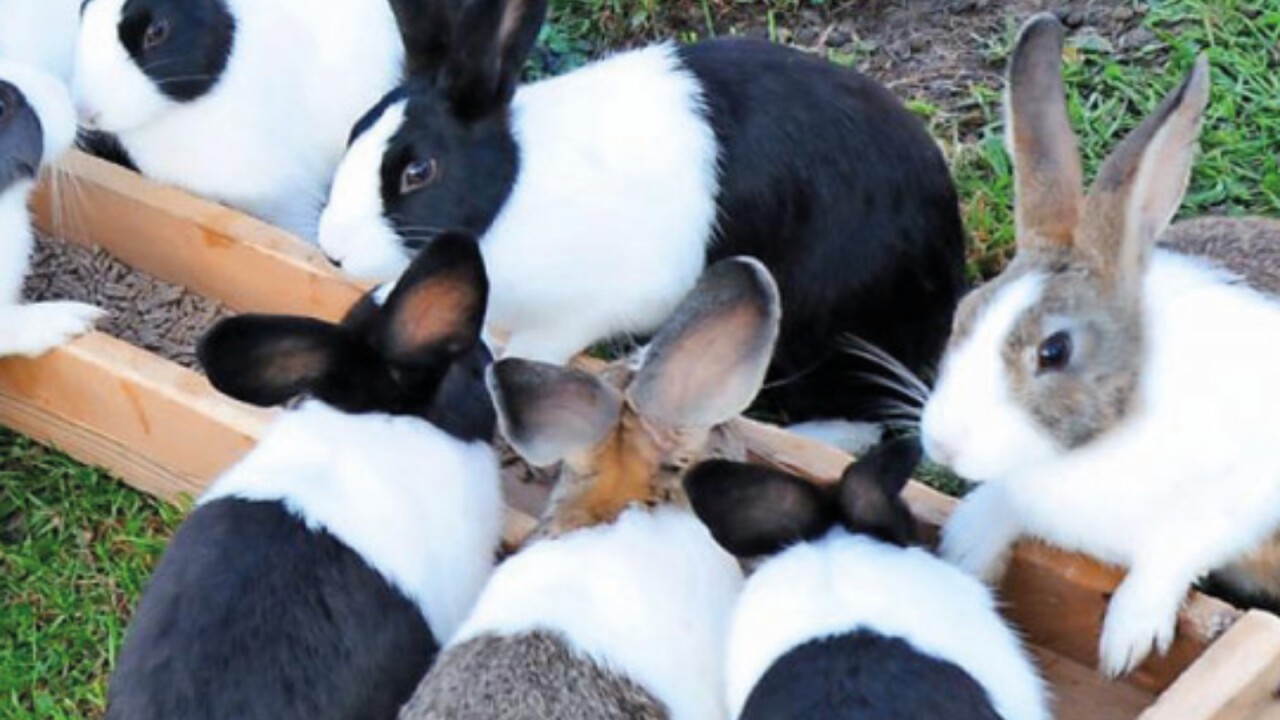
426	28
871	491
268	359
754	510
436	311
491	43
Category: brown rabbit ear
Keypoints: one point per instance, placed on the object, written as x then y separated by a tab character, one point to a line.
1141	184
548	412
1047	178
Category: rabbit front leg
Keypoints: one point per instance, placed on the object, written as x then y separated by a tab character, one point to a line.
32	330
1143	612
981	532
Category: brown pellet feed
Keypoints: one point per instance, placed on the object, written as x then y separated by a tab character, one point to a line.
157	316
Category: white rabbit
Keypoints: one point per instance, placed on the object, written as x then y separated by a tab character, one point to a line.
1113	398
40	33
37	126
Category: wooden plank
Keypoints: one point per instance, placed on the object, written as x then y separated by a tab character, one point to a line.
1056	598
1079	694
211	249
1238	678
160	427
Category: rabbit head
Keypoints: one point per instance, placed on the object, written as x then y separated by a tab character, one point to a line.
628	435
37	124
1048	356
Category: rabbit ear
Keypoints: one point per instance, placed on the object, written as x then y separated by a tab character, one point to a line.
548	412
754	510
437	308
1046	161
268	359
491	43
708	361
426	28
871	491
1142	183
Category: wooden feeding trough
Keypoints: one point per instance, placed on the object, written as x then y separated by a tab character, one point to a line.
163	429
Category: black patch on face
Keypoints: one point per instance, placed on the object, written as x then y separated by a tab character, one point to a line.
251	615
370	118
476	166
864	675
105	146
195	39
21	137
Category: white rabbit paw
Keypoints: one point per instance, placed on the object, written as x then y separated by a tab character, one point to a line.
1138	619
980	535
32	330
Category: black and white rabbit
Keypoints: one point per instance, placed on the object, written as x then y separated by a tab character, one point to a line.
40	33
1110	396
318	577
601	195
37	125
248	102
845	620
618	608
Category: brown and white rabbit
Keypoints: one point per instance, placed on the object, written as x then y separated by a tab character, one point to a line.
620	606
1112	397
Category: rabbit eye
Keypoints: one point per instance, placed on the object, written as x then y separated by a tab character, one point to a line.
4	108
417	175
1054	352
157	33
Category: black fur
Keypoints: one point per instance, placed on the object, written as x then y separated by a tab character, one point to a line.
105	146
840	191
372	362
251	615
21	137
827	179
197	45
756	510
866	676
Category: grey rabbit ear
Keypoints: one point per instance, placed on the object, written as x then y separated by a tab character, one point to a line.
491	42
548	412
755	510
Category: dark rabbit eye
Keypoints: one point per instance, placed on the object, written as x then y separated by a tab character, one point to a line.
417	175
4	108
1054	352
157	33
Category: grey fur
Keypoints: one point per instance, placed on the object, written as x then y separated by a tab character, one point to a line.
531	676
1248	247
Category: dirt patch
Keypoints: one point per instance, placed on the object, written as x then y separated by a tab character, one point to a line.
165	319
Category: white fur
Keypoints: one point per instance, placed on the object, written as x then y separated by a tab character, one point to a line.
854	438
40	33
33	329
1188	483
648	596
607	226
269	134
971	421
844	583
421	507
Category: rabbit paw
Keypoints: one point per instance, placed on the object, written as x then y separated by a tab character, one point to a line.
32	330
980	534
1138	619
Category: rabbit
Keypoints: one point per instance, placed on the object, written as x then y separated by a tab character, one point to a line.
843	618
41	34
247	102
318	577
601	195
37	126
1109	397
618	607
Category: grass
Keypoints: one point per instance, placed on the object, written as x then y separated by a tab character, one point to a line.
76	547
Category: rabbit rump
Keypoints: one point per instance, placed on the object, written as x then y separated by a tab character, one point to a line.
602	195
844	620
37	126
318	577
1112	397
618	608
247	102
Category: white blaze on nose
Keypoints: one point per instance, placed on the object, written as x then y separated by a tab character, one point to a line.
354	230
972	421
109	88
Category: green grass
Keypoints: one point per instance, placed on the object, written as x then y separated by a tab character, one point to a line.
76	547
